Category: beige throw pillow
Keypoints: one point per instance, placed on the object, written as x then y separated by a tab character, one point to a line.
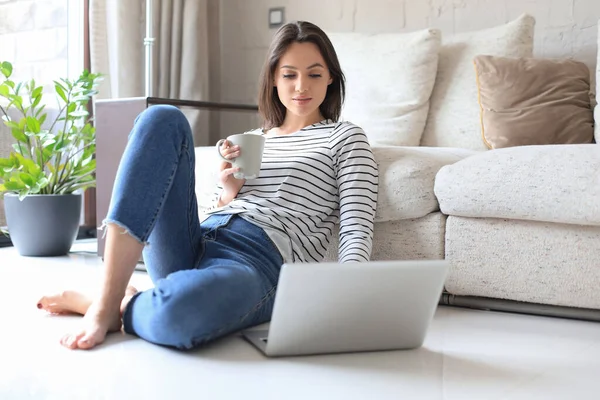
528	101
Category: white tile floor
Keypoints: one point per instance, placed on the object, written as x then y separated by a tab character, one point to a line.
467	355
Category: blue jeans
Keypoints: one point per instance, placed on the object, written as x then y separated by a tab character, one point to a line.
210	279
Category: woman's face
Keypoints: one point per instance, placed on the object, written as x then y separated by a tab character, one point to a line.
301	78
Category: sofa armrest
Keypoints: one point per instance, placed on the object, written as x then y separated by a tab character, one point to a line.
406	179
550	183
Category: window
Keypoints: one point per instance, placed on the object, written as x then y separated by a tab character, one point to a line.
46	40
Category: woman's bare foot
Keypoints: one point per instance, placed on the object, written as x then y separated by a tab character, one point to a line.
65	302
97	322
98	319
70	301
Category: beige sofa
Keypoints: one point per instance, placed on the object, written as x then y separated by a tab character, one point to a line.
520	226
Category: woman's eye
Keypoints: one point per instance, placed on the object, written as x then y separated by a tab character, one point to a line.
315	75
288	76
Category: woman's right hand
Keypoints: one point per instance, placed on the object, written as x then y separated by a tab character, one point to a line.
231	185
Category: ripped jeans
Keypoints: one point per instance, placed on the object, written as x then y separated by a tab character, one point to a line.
210	279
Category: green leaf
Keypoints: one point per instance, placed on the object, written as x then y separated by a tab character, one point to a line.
27	163
12	124
6	69
38	112
43	182
20	148
12	185
27	179
4	90
60	91
36	102
37	92
19	135
16	100
33	124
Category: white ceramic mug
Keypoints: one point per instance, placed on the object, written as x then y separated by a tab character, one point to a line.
251	152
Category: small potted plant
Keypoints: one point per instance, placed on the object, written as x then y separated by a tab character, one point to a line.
51	163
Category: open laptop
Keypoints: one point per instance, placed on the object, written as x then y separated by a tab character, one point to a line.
333	307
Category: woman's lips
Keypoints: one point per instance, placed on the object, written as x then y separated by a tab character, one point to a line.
302	100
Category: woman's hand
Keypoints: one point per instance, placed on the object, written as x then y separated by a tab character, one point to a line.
231	185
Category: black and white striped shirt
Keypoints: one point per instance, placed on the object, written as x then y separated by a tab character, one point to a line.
310	181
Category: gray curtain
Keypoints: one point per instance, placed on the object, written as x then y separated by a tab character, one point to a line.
180	65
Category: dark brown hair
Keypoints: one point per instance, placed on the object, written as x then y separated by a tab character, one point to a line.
270	106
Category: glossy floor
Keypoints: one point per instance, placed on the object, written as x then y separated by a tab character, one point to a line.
467	355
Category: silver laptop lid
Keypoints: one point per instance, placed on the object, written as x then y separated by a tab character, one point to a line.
332	307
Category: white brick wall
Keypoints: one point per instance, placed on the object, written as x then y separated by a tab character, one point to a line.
565	28
33	36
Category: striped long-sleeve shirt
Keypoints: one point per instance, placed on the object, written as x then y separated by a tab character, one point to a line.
310	181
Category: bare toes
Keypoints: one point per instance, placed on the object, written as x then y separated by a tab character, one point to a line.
47	303
70	340
90	340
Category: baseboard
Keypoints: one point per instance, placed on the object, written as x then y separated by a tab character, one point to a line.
546	310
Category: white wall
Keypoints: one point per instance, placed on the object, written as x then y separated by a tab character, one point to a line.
33	36
564	28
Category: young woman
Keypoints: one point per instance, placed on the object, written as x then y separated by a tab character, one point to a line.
218	276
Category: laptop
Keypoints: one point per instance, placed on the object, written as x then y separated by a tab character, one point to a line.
323	308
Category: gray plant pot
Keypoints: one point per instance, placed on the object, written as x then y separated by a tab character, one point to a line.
43	225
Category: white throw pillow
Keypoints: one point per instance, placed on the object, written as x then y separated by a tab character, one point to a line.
389	79
453	119
597	109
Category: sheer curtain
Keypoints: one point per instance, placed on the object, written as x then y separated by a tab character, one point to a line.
180	29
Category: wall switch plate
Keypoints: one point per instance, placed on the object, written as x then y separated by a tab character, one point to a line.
276	17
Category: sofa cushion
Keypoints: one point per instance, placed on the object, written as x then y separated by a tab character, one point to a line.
406	178
453	119
529	101
551	183
389	79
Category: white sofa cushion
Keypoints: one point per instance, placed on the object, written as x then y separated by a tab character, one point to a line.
406	179
453	119
389	79
550	183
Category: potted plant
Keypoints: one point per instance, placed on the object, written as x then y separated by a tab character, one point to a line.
51	163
